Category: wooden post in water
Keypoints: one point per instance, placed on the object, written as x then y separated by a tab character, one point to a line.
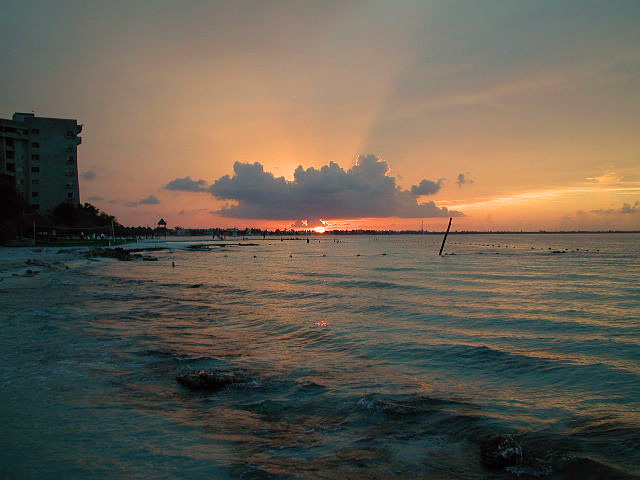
445	236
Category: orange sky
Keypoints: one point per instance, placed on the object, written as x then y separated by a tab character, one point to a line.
538	103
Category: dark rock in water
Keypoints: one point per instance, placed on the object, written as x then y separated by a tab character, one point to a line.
200	247
118	253
195	285
35	263
147	249
148	258
500	451
210	381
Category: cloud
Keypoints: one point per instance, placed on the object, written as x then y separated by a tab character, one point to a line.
89	175
95	199
363	191
463	179
186	184
150	200
427	187
626	209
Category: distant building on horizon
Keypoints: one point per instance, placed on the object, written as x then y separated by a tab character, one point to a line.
41	154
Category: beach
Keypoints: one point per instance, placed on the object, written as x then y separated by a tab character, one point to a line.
512	356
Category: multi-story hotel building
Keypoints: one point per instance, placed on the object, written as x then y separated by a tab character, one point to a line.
41	154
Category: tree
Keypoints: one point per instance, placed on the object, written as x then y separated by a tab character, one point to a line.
13	209
65	214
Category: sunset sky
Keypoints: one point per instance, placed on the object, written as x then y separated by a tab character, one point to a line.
506	115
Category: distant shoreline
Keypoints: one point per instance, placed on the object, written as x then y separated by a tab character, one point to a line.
466	232
414	232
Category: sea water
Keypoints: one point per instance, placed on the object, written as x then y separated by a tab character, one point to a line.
368	357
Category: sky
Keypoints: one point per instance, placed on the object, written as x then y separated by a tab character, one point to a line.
395	114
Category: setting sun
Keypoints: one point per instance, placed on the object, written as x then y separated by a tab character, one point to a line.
319	230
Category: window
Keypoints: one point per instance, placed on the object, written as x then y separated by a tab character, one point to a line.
36	205
9	142
35	157
11	167
34	194
71	159
70	195
35	144
35	181
35	131
35	169
10	154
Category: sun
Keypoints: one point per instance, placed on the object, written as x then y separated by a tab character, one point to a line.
319	230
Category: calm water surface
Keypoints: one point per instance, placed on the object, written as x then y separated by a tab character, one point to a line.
370	357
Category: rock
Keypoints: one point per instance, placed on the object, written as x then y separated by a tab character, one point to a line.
195	285
35	263
210	381
148	258
500	451
117	253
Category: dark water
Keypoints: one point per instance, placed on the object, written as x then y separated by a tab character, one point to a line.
392	366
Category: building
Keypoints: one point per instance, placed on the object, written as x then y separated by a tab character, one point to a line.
41	154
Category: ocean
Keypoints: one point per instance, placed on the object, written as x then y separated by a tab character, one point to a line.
364	357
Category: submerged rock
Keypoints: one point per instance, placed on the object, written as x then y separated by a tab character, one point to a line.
118	253
36	263
500	451
210	380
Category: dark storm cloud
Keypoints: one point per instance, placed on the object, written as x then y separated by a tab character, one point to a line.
150	200
89	175
186	184
330	192
626	209
427	187
463	180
